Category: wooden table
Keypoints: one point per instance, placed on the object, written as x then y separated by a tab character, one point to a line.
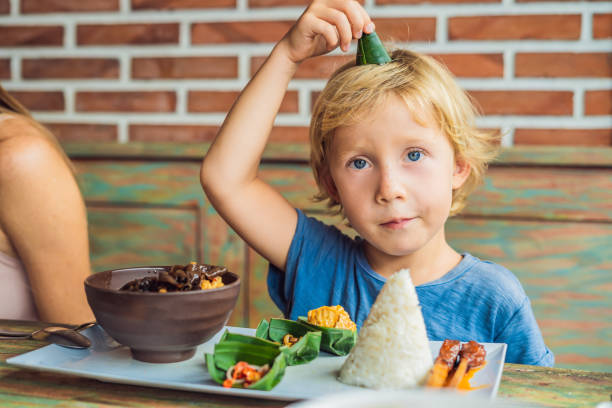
30	388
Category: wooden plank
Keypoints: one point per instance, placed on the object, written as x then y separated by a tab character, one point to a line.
124	237
261	305
554	387
140	182
534	193
544	193
31	388
565	270
572	156
222	246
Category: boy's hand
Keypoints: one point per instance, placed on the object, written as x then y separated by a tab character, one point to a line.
323	26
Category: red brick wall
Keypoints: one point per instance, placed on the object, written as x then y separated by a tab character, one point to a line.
168	70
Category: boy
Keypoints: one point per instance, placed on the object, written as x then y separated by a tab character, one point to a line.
395	149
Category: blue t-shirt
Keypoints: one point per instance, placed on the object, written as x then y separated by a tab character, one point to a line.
476	300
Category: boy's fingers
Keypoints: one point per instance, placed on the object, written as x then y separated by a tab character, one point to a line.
341	22
368	24
357	16
328	31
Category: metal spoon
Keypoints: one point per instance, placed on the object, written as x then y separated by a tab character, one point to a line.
53	334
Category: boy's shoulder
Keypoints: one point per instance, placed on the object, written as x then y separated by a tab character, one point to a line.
488	279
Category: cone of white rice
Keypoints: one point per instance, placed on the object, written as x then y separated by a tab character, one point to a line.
392	349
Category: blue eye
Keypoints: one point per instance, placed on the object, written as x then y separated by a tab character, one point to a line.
358	164
414	155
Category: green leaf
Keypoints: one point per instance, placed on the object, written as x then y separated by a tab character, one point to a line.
272	377
233	348
302	352
335	341
370	50
262	329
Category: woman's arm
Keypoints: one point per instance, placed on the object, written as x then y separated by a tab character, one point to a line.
43	215
257	212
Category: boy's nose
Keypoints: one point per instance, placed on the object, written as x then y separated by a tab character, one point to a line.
389	187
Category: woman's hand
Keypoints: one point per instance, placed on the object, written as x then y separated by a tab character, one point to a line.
325	25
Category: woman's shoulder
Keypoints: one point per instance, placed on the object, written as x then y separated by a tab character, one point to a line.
24	147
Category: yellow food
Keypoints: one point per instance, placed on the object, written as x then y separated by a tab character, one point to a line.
215	283
331	316
289	340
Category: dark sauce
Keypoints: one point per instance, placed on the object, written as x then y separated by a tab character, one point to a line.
180	278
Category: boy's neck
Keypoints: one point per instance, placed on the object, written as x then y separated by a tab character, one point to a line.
426	265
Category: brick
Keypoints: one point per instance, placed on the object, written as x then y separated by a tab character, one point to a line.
61	6
40	100
563	137
523	27
205	133
554	65
406	29
389	29
25	36
83	132
524	102
5	68
313	99
389	2
602	25
317	67
185	67
180	4
5	6
560	1
125	34
461	65
172	133
239	32
128	101
69	68
278	3
473	65
598	102
222	101
282	3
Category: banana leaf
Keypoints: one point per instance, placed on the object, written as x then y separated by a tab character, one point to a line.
302	352
233	348
335	341
370	50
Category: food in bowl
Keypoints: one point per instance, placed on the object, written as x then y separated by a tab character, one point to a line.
160	327
392	350
179	278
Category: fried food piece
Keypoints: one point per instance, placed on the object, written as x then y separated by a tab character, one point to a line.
331	316
472	355
447	357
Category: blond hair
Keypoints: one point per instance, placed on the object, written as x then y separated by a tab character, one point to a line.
427	87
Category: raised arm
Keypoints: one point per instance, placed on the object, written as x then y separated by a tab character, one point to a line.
43	215
257	212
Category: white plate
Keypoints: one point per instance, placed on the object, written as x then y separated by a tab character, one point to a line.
106	360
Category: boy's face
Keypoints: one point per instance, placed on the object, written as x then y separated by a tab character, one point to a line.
394	179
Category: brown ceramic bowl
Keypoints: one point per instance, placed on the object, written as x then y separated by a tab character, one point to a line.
159	327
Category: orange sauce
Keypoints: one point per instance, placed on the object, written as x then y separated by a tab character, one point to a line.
465	385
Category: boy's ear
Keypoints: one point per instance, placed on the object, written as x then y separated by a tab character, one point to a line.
461	172
329	184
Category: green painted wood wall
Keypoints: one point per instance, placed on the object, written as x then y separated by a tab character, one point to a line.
545	213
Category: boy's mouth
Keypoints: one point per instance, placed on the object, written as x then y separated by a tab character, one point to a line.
396	223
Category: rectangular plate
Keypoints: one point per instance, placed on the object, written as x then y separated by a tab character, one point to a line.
106	360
